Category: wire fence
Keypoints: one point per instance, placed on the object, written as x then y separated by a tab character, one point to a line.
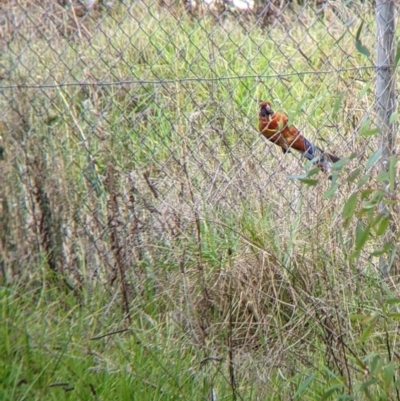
129	129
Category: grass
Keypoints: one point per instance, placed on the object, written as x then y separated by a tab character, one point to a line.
154	246
59	358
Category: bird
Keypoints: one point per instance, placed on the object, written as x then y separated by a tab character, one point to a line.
274	126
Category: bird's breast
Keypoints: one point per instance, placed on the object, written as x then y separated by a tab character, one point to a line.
271	123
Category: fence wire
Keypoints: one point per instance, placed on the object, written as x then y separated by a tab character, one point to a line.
129	129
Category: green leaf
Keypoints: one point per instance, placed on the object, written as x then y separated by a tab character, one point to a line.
394	315
392	301
373	201
297	177
368	331
363	180
291	118
373	159
393	117
340	163
368	131
329	374
300	105
354	174
368	206
308	181
349	208
359	46
362	234
376	361
386	248
358	316
358	34
383	225
387	374
331	191
337	105
313	171
364	91
366	390
378	219
378	252
359	363
392	172
304	385
366	193
397	56
377	196
362	49
355	254
329	391
383	176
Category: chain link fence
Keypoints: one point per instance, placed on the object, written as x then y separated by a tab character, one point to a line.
129	130
131	161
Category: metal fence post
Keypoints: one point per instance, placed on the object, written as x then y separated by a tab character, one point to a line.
385	86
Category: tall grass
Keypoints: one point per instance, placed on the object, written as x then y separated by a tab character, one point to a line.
154	246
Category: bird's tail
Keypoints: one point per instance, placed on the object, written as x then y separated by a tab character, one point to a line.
322	159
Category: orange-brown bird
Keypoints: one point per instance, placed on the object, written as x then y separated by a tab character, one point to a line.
274	126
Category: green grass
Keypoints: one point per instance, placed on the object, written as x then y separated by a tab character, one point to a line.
54	347
52	353
240	279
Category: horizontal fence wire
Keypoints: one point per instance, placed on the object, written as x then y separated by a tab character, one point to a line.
182	80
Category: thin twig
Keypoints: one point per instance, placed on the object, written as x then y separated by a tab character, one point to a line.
108	334
116	247
150	185
230	334
390	359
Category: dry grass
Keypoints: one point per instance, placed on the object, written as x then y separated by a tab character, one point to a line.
160	190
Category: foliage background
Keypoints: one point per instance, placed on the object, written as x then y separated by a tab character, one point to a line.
152	244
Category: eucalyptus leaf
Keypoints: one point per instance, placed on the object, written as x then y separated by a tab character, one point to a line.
308	181
393	117
397	56
373	159
383	225
337	105
354	174
359	46
392	172
362	234
349	208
